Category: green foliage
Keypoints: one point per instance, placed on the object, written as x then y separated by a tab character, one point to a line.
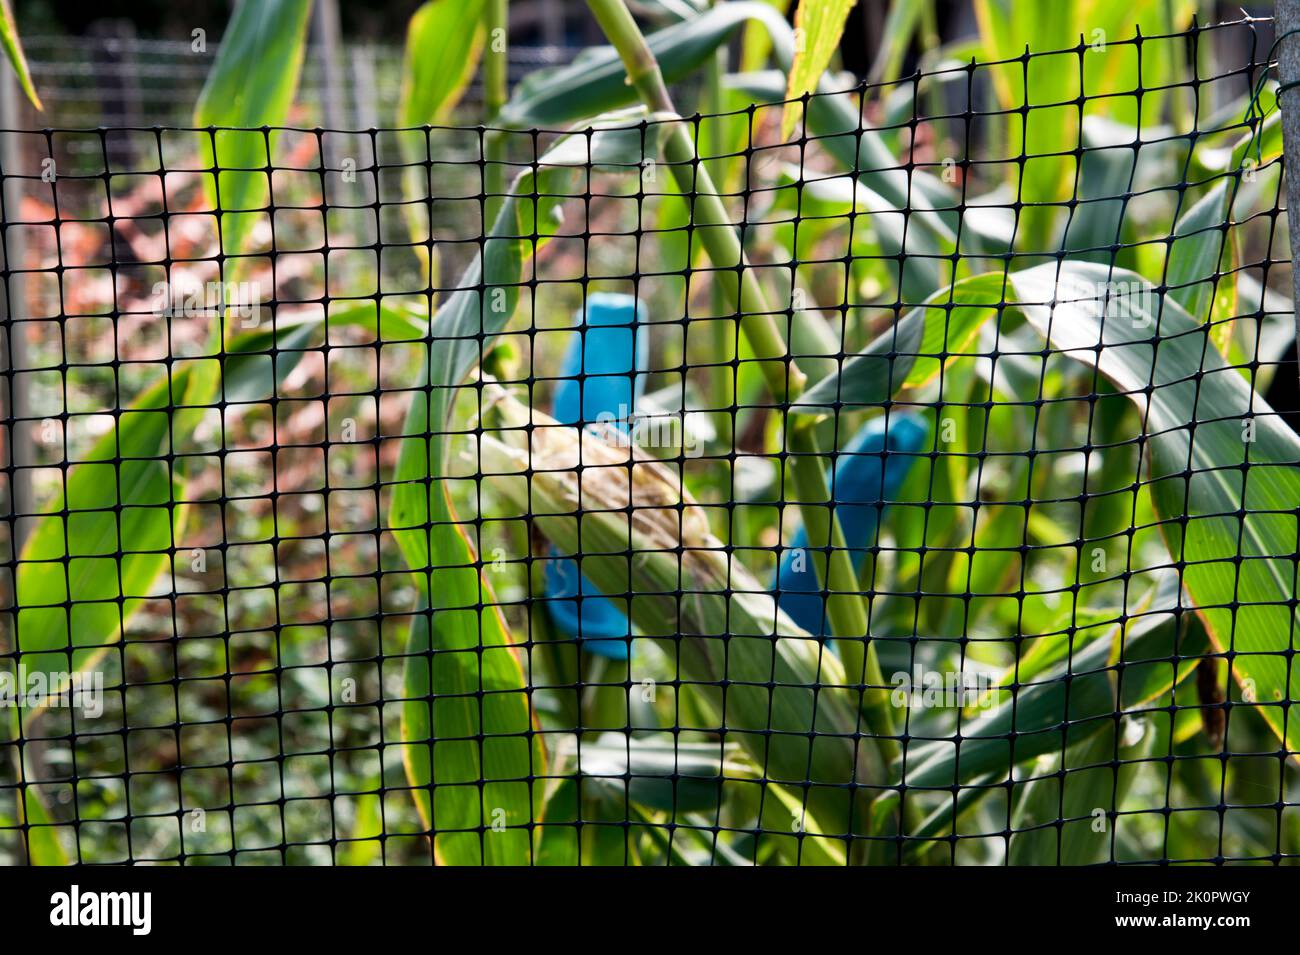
64	623
818	24
444	42
13	48
251	85
595	83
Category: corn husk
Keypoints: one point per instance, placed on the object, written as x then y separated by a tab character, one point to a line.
765	683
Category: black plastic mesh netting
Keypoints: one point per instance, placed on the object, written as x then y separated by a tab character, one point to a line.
306	559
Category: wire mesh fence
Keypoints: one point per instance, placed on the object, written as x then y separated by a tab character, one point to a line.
449	495
121	80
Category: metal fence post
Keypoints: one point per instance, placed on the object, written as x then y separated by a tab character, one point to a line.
13	308
1287	31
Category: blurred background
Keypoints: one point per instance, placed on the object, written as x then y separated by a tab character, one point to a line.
124	63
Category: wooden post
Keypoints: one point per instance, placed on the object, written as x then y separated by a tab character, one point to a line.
19	452
14	405
1287	30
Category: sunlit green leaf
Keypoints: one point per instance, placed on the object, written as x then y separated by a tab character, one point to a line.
14	51
251	85
818	26
444	41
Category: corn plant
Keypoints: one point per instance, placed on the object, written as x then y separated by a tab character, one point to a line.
976	539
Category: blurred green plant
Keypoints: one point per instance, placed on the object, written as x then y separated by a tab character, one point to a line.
818	27
13	48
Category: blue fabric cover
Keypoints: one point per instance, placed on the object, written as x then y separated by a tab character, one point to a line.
611	354
863	478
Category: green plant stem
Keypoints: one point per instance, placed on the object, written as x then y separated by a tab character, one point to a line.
709	215
496	91
722	378
496	80
20	790
713	129
846	610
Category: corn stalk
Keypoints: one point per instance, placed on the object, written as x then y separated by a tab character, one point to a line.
845	607
645	542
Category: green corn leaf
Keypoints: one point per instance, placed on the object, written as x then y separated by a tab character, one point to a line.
908	355
756	44
596	81
467	682
1202	234
887	191
1233	525
660	772
14	50
558	838
1089	790
940	820
1105	179
1229	526
1039	95
127	468
252	372
459	646
1203	424
839	197
818	25
1039	654
89	566
258	361
364	844
444	42
901	26
1197	249
251	84
786	806
1070	706
44	846
835	119
1045	132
